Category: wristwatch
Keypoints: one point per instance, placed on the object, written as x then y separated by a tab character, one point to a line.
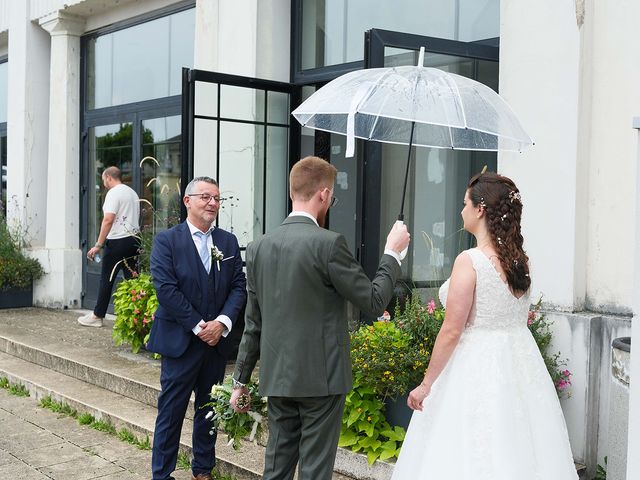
237	384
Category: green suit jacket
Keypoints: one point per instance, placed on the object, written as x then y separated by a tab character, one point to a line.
299	279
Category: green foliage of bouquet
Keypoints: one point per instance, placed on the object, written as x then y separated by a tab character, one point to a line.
134	304
237	426
540	329
364	427
16	269
384	359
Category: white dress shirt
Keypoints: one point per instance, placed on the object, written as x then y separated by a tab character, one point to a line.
226	321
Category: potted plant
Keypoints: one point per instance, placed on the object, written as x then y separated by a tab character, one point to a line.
17	271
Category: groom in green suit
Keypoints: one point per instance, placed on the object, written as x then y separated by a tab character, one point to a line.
300	278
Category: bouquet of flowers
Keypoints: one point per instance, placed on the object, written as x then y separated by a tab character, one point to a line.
237	426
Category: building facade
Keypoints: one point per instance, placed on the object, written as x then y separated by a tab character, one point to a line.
85	84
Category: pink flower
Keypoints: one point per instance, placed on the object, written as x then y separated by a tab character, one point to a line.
531	317
431	307
136	311
135	321
145	321
134	274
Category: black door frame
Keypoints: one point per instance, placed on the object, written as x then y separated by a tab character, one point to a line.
134	113
375	42
189	79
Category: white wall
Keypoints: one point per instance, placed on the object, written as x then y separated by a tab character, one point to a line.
540	78
615	72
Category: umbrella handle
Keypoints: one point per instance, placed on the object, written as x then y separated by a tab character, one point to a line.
406	173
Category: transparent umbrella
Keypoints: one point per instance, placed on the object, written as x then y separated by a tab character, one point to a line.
414	106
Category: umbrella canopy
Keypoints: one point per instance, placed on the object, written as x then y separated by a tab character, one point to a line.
414	106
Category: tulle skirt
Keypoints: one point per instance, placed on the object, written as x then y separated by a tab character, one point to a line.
493	414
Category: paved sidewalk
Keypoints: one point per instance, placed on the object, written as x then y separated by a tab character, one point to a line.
38	444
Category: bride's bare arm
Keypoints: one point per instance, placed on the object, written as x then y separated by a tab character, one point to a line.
459	302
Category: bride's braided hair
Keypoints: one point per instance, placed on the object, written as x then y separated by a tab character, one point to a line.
500	199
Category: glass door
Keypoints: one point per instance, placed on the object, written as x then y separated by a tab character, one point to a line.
238	130
438	177
146	147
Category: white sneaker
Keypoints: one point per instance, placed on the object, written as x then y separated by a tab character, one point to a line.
90	320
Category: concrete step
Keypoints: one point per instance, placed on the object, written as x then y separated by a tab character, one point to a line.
58	343
122	412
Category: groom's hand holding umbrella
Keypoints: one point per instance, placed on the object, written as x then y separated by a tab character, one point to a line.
398	239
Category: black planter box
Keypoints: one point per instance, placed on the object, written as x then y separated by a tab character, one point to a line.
16	298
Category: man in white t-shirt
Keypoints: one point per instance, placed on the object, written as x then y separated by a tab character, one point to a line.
118	237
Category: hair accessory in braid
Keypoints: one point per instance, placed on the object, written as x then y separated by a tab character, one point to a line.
513	195
483	205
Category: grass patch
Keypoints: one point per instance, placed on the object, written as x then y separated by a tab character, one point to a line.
58	407
216	475
129	437
144	444
4	382
86	419
184	462
103	426
19	390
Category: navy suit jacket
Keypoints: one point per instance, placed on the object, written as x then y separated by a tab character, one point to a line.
187	294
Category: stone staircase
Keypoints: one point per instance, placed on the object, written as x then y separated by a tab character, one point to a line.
51	355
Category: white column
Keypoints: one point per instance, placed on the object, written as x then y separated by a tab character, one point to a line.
27	125
633	460
540	77
62	253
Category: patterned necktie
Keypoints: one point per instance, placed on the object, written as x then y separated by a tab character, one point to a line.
205	254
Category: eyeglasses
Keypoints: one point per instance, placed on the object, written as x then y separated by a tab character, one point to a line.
206	198
334	202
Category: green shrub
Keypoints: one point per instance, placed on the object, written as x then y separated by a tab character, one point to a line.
16	269
134	304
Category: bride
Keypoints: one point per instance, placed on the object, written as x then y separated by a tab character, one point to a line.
487	408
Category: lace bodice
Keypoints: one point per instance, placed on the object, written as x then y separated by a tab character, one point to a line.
495	306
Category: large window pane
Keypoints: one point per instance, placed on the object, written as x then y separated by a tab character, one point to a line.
109	145
142	62
437	183
242	103
241	150
333	30
161	170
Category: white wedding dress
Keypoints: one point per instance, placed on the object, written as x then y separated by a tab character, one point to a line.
493	413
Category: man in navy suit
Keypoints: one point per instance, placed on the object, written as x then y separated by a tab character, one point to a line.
197	273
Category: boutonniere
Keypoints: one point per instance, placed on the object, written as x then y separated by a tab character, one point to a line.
216	255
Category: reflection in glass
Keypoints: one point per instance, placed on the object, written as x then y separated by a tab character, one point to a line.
205	141
242	150
241	103
161	173
3	174
276	176
142	62
207	95
4	67
278	107
333	30
109	145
